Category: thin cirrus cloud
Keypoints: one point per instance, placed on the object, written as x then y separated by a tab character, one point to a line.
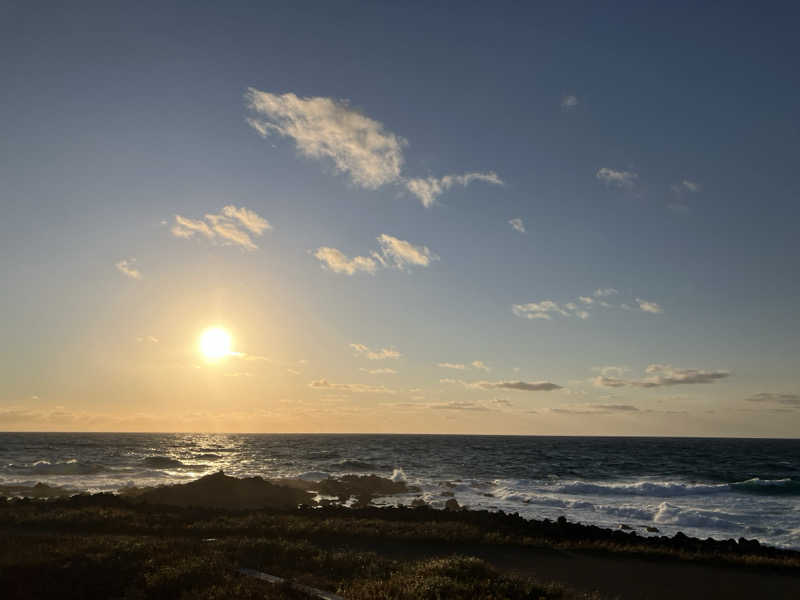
776	398
429	189
686	185
549	309
231	227
358	388
659	375
127	267
519	386
359	146
517	225
368	353
595	409
569	102
621	179
392	253
475	364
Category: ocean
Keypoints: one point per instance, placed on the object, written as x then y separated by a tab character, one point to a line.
720	488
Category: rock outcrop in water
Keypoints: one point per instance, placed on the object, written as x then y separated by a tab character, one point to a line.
221	491
363	487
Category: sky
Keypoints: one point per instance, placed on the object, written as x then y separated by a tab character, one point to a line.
494	218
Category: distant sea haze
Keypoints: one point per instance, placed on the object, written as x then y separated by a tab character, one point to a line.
722	488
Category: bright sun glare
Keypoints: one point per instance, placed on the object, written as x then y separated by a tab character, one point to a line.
215	343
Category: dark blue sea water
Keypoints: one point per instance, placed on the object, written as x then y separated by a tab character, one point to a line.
704	487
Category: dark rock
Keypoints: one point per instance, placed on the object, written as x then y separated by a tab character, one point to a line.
652	529
220	491
363	487
452	504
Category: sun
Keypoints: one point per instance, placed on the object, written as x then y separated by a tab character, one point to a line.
215	344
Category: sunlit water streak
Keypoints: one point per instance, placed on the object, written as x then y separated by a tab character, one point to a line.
721	488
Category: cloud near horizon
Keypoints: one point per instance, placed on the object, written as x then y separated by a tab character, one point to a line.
231	227
359	146
775	398
520	386
658	375
359	388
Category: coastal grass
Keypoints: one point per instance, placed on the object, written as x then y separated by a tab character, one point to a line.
147	566
110	515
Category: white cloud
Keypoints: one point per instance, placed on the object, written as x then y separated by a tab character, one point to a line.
686	186
338	262
623	179
446	365
147	338
649	307
327	128
478	364
392	253
658	375
605	292
379	371
538	310
231	227
404	253
585	299
517	225
569	102
128	268
357	145
382	354
428	189
360	388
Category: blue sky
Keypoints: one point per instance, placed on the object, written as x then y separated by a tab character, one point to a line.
645	148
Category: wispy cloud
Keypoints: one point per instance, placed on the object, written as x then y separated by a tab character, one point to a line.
382	354
547	309
359	388
659	375
686	186
326	128
517	225
649	307
479	364
776	398
233	226
595	409
539	310
520	386
357	145
379	371
605	292
393	253
622	179
338	262
128	268
447	365
569	102
459	405
428	189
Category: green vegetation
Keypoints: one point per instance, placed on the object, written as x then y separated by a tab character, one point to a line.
107	546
